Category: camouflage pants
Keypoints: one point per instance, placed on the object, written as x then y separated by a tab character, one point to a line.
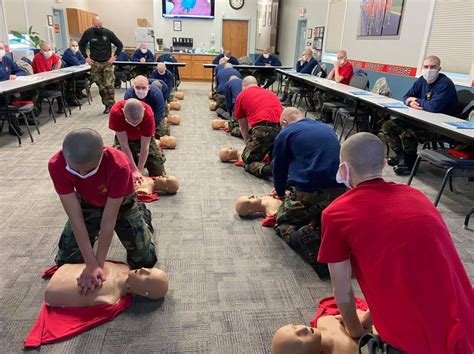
404	138
234	128
259	144
220	100
162	129
300	208
155	163
133	228
265	78
103	76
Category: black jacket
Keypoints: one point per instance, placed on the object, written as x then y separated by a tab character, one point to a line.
100	41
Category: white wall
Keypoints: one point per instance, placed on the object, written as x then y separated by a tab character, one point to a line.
262	33
121	16
316	15
200	30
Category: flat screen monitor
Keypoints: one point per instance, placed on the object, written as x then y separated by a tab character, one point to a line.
203	9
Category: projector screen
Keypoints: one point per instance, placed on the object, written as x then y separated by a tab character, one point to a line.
188	8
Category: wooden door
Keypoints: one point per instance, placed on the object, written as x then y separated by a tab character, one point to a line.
235	37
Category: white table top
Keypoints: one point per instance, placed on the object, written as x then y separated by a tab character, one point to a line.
147	63
18	85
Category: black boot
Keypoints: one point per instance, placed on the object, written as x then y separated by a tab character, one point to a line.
284	97
267	171
106	110
394	161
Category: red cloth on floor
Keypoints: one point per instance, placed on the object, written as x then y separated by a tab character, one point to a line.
269	221
328	307
147	198
239	163
266	159
462	154
226	130
49	272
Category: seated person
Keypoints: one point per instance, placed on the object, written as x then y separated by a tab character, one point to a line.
122	73
165	184
151	95
433	92
221	80
267	206
342	71
142	55
72	56
230	154
266	77
304	65
167	76
62	289
47	60
166	142
227	56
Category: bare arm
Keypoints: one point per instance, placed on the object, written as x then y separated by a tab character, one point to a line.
330	75
337	76
107	225
344	293
244	129
123	140
144	150
57	65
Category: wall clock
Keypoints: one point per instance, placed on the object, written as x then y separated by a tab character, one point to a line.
236	4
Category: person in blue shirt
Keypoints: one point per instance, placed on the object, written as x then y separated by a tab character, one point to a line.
227	55
72	56
233	87
143	55
432	92
162	86
305	164
304	65
122	73
266	78
221	80
164	74
151	95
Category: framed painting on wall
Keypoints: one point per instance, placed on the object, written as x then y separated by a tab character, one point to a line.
380	17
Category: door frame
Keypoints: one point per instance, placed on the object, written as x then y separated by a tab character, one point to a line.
249	26
298	36
64	26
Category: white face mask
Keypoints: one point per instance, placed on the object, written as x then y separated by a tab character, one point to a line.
74	49
266	56
341	61
133	124
339	178
141	94
47	54
430	75
226	58
89	174
2	53
144	50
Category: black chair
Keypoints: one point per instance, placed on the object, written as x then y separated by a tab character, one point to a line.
468	216
464	99
306	92
11	115
455	167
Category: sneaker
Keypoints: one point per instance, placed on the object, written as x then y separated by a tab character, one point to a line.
402	170
392	161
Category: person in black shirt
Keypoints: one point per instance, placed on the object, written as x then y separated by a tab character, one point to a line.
100	58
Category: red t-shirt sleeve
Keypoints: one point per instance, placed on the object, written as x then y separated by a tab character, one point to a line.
117	119
346	71
57	172
147	127
334	247
239	112
122	182
55	58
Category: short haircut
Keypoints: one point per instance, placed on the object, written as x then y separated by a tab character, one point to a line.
364	152
82	146
290	114
158	84
44	43
133	110
434	58
71	41
309	51
249	81
233	77
228	65
161	66
141	78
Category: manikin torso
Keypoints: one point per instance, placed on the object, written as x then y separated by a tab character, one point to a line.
335	338
63	291
270	205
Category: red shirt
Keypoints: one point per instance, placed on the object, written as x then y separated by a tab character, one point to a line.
347	72
407	266
112	180
41	64
145	128
258	105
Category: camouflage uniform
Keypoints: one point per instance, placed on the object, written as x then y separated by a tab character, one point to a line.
155	163
103	75
133	228
234	128
301	208
220	100
259	144
162	129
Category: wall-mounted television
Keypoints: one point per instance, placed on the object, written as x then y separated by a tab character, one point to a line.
188	8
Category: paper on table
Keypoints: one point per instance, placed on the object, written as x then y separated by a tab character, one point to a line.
361	93
28	78
462	125
393	105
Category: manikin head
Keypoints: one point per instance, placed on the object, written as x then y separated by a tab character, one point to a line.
431	68
46	49
341	57
83	150
168	184
247	205
74	46
168	142
97	22
361	159
173	119
229	154
175	105
298	339
141	87
212	106
149	282
133	111
218	123
2	50
143	48
289	116
249	81
161	68
179	95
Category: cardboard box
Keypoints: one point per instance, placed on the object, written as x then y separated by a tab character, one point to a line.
143	22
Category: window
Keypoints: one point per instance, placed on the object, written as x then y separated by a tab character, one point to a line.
335	25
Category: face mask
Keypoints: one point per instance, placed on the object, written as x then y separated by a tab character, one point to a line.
132	124
144	51
341	61
266	56
339	178
141	94
98	30
430	75
74	49
2	53
226	58
47	54
89	174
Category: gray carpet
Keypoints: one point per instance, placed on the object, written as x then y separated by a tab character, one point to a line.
232	282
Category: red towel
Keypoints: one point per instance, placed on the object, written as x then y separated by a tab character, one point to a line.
239	163
55	324
226	130
462	154
147	198
17	104
328	307
269	221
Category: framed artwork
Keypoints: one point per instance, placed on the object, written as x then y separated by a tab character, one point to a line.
50	20
310	33
177	25
380	17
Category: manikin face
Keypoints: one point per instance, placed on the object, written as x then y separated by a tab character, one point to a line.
298	339
227	154
149	282
247	205
168	141
169	184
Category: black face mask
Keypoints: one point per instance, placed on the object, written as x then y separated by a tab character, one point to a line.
98	30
